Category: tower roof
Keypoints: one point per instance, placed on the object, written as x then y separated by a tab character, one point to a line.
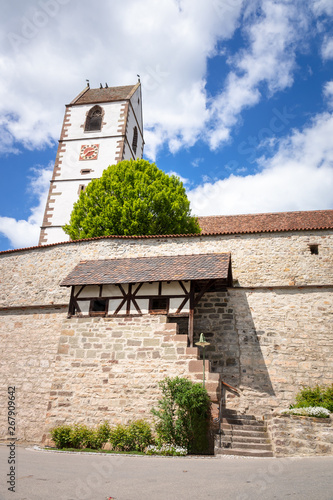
109	94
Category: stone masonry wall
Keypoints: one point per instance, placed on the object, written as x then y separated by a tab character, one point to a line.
29	343
90	369
295	435
269	336
268	343
269	259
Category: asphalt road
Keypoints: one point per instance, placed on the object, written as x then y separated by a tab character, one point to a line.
41	475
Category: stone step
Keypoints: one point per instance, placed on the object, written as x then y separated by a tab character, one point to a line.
231	415
243	453
242	422
241	433
250	446
250	439
256	428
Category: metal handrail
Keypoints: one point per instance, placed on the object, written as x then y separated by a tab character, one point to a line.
230	386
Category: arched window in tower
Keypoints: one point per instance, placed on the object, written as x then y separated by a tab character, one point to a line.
94	119
135	140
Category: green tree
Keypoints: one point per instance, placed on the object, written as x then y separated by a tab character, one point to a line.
132	198
183	414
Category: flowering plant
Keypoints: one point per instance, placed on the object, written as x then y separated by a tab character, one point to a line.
310	411
167	450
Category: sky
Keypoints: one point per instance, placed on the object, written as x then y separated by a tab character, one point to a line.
237	98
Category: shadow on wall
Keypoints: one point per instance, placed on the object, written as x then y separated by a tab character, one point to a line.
226	320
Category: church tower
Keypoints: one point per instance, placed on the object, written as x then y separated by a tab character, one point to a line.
101	127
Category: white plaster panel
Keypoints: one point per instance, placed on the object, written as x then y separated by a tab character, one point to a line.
172	288
78	116
131	123
133	309
84	306
55	235
136	103
71	165
89	291
111	291
62	202
143	304
113	304
175	303
148	289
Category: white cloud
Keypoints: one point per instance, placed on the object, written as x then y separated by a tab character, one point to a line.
327	48
321	7
269	60
25	233
328	93
57	44
298	177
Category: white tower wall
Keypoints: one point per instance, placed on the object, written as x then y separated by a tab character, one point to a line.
83	154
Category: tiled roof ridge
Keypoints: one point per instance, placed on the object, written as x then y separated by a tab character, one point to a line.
297	227
105	94
269	213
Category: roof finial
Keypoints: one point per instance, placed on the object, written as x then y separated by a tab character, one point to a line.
88	84
138	78
106	85
100	86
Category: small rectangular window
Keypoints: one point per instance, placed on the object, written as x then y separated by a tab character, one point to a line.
314	250
86	171
98	307
159	305
82	188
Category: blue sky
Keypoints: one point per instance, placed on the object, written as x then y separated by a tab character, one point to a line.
237	97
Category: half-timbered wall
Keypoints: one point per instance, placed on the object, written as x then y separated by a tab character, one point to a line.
135	298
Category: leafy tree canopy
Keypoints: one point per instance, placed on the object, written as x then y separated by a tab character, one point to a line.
132	198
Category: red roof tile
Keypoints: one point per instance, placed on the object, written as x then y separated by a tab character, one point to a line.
111	94
266	223
233	224
145	269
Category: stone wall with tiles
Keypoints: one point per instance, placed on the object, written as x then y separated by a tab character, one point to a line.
32	276
293	435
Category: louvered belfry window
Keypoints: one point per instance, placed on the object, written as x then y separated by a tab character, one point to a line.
94	119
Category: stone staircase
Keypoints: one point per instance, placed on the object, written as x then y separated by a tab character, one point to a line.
242	435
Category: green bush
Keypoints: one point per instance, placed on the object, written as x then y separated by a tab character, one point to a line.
61	435
315	396
135	436
119	438
141	435
183	414
80	436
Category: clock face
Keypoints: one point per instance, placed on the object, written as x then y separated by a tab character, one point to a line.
89	152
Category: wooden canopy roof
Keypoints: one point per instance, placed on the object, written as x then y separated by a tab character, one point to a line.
147	269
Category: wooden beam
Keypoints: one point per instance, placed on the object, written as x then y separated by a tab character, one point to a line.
203	291
191	316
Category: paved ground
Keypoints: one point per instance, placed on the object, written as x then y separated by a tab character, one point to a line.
59	476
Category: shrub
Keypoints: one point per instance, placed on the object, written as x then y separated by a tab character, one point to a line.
315	396
183	414
119	438
135	436
62	436
140	435
80	436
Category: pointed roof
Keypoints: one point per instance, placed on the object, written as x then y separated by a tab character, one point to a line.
110	94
